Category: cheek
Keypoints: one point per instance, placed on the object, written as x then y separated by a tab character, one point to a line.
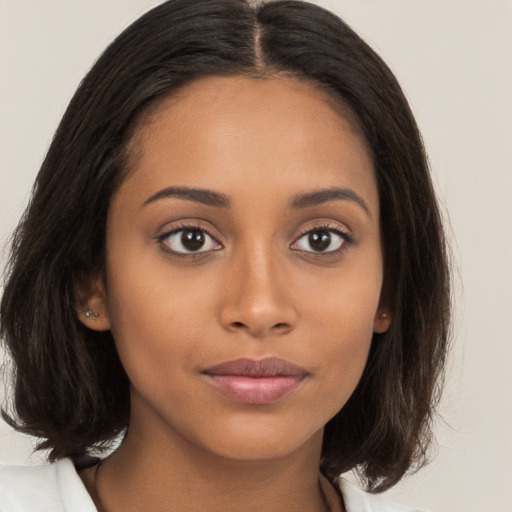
344	352
345	305
345	338
149	335
153	320
342	321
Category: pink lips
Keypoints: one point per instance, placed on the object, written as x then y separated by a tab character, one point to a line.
256	382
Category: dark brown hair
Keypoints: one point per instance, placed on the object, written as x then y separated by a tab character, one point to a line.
70	388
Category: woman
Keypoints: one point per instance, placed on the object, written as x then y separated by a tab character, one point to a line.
233	259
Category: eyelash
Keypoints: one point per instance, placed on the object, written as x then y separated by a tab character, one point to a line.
347	240
186	227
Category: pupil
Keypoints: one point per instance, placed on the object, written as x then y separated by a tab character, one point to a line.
319	240
192	240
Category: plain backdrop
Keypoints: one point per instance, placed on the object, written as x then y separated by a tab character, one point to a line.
454	60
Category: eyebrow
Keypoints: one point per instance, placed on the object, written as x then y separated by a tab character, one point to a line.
300	201
203	196
321	196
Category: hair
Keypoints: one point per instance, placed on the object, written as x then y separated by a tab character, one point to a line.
70	388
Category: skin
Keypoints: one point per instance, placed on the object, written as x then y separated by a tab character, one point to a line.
257	289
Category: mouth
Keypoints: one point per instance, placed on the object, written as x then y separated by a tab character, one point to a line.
256	382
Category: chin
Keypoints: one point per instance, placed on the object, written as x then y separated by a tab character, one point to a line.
263	443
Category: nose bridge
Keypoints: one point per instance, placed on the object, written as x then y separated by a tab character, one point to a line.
257	298
258	268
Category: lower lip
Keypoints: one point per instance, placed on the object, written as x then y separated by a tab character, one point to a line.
255	390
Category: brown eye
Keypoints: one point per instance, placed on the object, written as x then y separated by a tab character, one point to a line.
320	240
190	240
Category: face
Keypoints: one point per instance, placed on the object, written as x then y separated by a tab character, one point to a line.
244	265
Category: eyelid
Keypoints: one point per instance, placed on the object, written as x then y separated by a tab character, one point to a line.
348	240
197	225
186	226
326	225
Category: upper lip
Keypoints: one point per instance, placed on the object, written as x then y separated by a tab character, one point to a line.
268	367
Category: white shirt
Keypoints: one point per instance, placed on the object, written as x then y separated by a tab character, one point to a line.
58	488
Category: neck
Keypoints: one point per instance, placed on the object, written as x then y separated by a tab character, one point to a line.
161	471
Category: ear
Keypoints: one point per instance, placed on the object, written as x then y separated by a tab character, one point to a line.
382	320
92	305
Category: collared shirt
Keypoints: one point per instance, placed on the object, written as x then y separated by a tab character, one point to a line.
57	487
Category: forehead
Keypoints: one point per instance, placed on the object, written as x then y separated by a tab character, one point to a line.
217	97
220	129
216	93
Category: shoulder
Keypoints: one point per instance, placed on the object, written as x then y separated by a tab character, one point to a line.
46	488
357	500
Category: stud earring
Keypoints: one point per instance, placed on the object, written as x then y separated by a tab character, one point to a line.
89	314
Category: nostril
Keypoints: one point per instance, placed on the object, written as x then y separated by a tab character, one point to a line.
238	324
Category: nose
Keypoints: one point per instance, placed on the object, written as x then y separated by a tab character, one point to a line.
257	298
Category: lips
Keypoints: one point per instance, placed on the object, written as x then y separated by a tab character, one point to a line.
256	382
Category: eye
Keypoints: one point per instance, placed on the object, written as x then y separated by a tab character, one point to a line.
321	240
189	240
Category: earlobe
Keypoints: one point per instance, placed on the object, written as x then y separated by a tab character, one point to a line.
93	310
382	321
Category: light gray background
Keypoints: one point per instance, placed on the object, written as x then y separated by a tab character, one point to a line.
454	60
